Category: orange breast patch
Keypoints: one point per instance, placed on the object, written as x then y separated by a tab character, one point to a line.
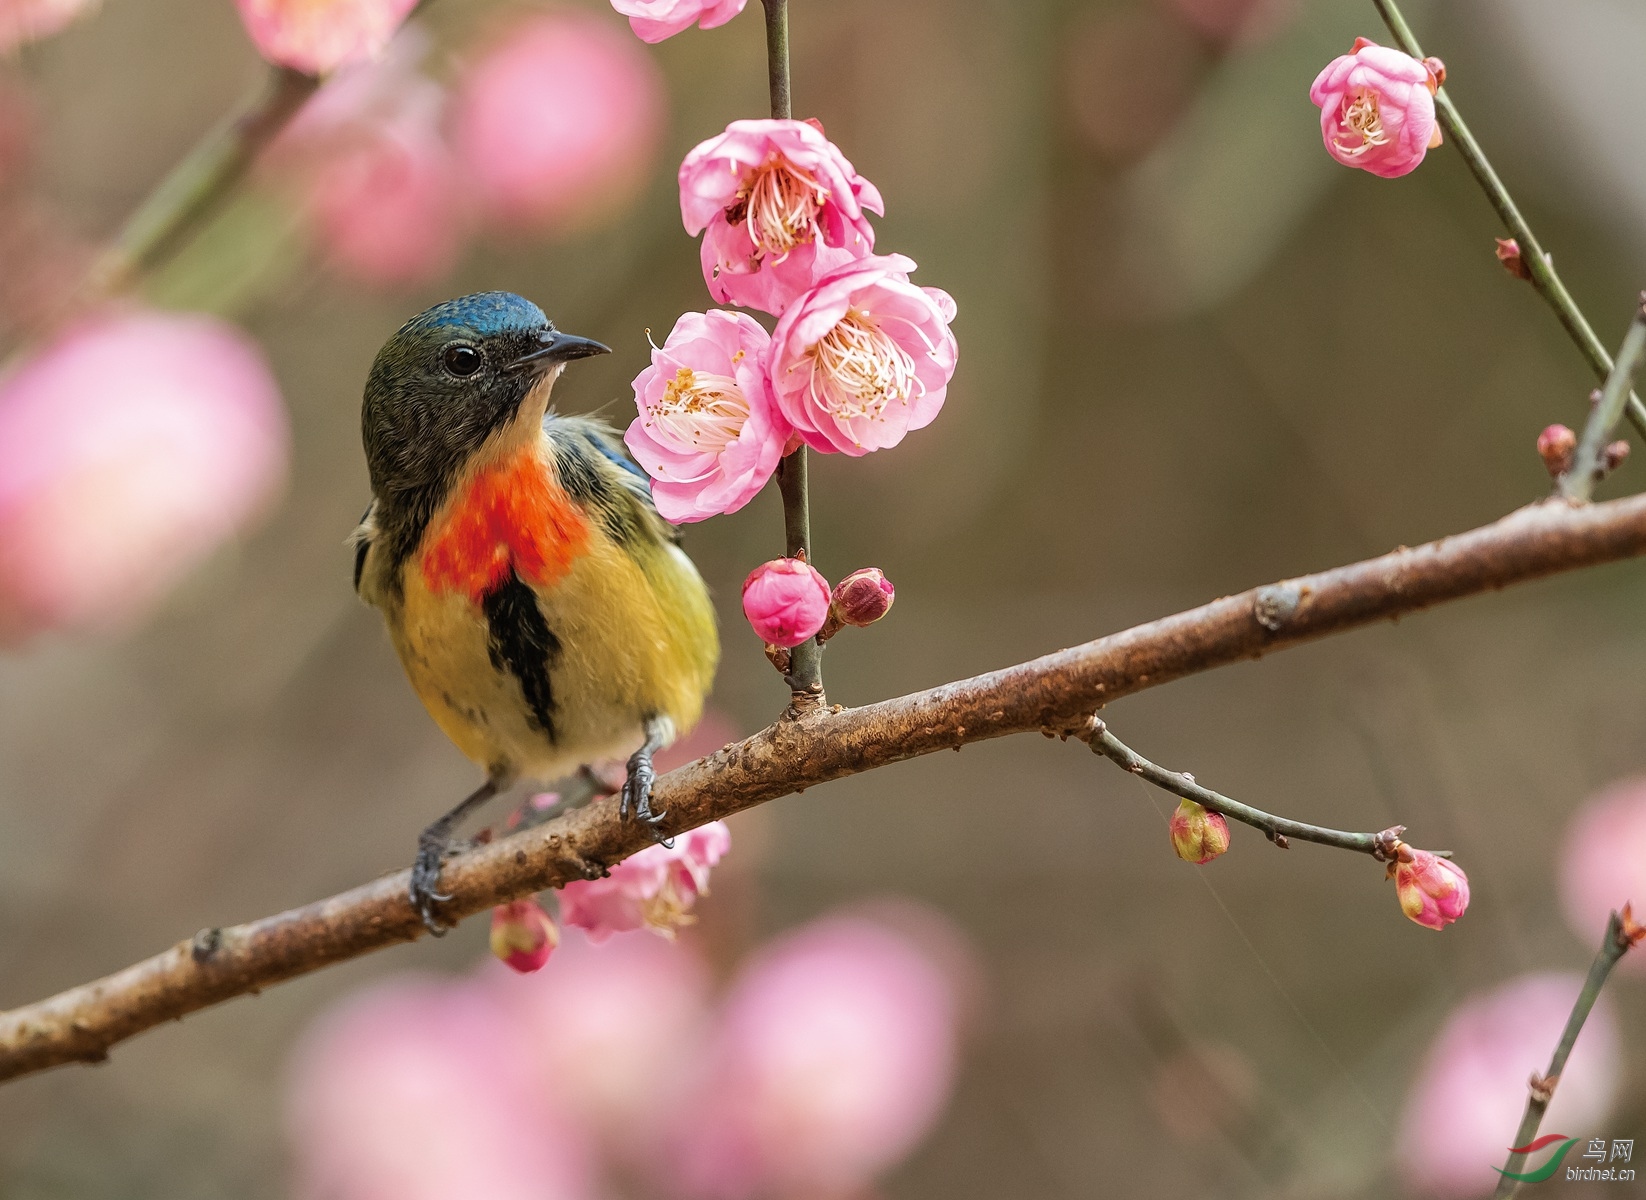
513	513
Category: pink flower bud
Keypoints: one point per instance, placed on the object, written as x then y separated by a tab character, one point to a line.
1555	446
786	601
654	889
862	598
1198	836
557	122
1613	456
1508	253
654	20
1433	891
1377	109
523	935
709	433
318	36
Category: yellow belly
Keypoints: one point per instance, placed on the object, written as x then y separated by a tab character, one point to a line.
635	641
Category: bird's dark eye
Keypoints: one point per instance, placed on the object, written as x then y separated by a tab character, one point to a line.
462	360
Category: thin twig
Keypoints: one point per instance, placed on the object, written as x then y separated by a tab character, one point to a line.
1538	264
805	670
195	188
1621	933
1053	694
1279	830
1588	465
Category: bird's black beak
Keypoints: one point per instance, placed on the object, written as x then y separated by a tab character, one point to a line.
556	347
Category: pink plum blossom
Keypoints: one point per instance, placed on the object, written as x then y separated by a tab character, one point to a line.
1198	836
1603	862
1433	891
863	357
834	1056
654	889
786	601
23	21
608	1031
655	20
523	935
557	122
130	448
1466	1098
414	1089
708	432
1377	109
318	36
781	206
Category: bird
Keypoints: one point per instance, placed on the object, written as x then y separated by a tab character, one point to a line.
542	609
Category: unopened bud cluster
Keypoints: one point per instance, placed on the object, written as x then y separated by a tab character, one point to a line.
788	602
1557	447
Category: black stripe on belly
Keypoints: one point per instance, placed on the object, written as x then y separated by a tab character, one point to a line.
521	643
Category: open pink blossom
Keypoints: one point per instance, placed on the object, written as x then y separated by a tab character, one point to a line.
1468	1093
708	432
781	206
557	122
1377	109
318	36
863	357
1603	862
109	494
24	21
1433	891
786	601
655	20
654	889
834	1057
607	1031
414	1089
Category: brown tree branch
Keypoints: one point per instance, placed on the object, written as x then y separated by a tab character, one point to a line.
1055	693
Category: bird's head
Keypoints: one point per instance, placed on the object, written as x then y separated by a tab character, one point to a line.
452	379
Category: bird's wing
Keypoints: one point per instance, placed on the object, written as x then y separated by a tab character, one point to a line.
361	540
596	469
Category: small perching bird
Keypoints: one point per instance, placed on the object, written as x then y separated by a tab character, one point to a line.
543	611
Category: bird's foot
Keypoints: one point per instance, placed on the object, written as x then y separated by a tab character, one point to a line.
636	799
425	880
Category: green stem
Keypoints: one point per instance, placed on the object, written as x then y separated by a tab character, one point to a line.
805	674
197	185
1278	830
1579	482
1542	271
1542	1091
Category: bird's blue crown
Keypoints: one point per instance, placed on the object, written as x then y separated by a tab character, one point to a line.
486	313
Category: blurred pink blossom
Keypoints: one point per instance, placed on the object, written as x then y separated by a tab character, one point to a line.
557	122
708	432
864	357
1466	1099
523	935
607	1030
1377	109
654	20
23	21
414	1090
654	889
1433	891
781	206
834	1056
129	449
318	36
786	601
1603	862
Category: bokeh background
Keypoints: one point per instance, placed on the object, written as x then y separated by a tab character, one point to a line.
1197	355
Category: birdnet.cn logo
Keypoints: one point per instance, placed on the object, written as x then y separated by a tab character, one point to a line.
1605	1156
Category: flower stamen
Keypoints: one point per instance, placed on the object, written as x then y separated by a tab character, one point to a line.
858	370
780	205
700	411
1362	117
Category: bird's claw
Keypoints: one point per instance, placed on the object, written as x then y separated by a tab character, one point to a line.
425	881
636	798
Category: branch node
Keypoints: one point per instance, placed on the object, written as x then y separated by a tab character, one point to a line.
1386	846
1542	1087
1276	604
205	944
